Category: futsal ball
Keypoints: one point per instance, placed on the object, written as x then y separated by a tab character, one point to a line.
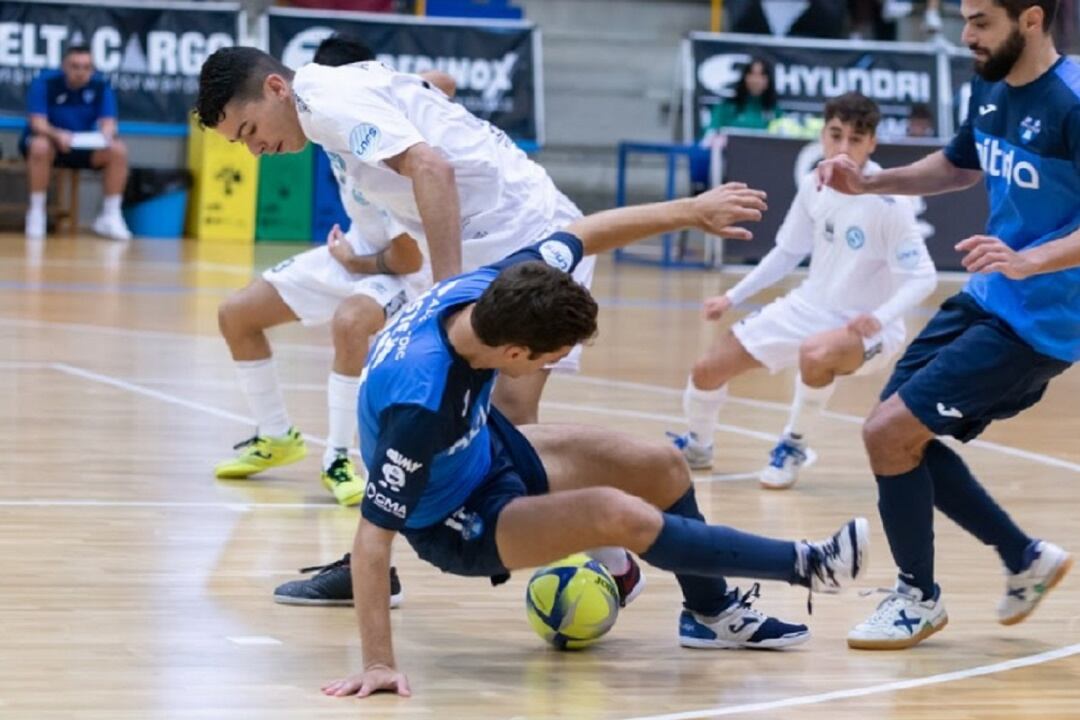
572	603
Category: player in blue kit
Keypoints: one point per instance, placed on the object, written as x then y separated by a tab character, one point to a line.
476	496
990	351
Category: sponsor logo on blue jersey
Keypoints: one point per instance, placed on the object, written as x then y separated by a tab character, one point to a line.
998	159
1029	128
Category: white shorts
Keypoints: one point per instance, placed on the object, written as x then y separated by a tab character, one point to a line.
773	335
313	284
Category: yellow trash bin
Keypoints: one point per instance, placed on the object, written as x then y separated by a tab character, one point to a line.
225	179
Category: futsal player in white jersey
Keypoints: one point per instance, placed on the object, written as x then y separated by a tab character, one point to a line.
354	282
868	267
456	183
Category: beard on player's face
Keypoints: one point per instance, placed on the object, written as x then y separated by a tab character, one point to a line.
994	65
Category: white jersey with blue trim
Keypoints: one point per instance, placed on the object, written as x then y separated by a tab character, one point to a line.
423	410
861	247
364	114
1026	141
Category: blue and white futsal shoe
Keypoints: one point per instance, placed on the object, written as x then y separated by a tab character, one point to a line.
739	626
786	458
1046	565
698	455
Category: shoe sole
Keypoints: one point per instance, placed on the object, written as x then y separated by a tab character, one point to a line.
856	644
348	500
775	486
395	601
245	475
775	644
861	533
1059	574
638	589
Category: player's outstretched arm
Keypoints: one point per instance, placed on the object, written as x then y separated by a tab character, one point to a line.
370	564
716	211
932	175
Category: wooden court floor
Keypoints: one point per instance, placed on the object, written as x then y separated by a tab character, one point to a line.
133	585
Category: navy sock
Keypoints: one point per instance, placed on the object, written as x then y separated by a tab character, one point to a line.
690	547
960	496
702	594
906	505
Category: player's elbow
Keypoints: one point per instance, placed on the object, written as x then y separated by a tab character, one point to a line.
406	257
422	163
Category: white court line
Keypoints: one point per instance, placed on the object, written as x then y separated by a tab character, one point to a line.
689	715
172	399
233	506
1005	666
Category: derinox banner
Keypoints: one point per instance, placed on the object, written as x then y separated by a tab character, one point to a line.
150	52
897	76
495	63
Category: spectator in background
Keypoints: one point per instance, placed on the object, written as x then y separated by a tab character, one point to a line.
754	104
921	122
752	108
73	125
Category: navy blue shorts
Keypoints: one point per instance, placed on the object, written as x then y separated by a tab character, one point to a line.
74	159
968	368
464	543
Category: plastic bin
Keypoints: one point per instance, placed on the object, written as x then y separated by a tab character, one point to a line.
155	202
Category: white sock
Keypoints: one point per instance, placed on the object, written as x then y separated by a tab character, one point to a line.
259	383
111	205
341	395
808	400
702	408
37	203
613	558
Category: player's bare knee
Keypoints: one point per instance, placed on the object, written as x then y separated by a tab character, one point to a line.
624	519
708	374
118	152
39	148
886	444
676	473
357	318
231	313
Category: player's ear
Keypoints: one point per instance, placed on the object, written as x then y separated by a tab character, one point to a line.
276	86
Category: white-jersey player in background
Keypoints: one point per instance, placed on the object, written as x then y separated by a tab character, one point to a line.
868	267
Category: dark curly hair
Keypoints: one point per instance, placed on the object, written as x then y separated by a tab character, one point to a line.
233	73
854	109
339	49
535	306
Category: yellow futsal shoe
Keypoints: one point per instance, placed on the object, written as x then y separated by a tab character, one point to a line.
343	481
261	453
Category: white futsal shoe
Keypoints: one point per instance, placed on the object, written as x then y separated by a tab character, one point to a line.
1026	589
901	620
698	456
784	462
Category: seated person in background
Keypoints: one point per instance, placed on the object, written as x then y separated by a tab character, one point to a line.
63	103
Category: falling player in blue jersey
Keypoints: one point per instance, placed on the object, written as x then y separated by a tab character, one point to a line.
476	496
990	351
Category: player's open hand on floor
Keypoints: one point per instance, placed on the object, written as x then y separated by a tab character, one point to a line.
721	208
714	308
986	254
841	174
372	680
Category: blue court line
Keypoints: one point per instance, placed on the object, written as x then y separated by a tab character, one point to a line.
128	289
